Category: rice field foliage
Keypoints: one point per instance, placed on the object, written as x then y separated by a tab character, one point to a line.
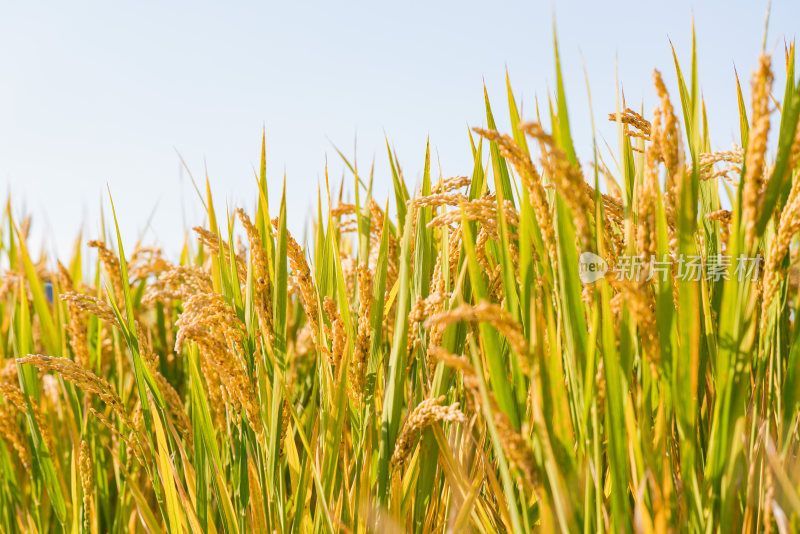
437	361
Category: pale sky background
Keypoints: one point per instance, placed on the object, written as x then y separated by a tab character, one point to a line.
97	94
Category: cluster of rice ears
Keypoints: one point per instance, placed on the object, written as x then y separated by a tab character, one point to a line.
432	362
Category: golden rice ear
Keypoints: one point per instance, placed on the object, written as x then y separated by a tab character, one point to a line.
532	181
261	275
734	159
515	445
210	322
788	226
218	246
666	148
12	434
425	414
76	328
87	484
338	335
486	312
302	276
518	449
668	140
358	366
111	264
754	179
794	159
724	218
72	372
447	185
632	118
82	378
568	180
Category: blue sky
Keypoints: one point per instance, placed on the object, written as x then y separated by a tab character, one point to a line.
101	94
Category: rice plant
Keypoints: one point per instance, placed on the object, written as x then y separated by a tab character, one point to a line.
545	344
